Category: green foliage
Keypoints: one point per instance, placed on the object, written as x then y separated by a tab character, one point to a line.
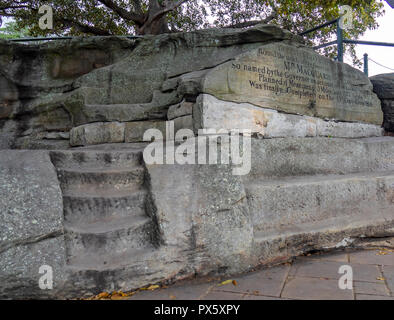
11	30
295	16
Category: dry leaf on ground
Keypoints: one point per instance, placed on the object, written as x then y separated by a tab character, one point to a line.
224	283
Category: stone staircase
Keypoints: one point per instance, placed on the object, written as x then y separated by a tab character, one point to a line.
109	236
302	195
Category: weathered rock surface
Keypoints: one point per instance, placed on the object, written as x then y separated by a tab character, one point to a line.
31	229
289	157
111	221
180	110
37	81
97	133
280	204
117	132
296	80
69	84
212	113
8	97
194	220
135	130
185	122
128	224
9	132
383	85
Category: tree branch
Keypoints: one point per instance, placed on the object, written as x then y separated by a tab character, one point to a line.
252	23
123	13
137	7
14	5
84	27
166	9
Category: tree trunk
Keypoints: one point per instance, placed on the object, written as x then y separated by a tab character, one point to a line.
154	25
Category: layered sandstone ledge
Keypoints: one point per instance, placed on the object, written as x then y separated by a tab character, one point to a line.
264	75
322	175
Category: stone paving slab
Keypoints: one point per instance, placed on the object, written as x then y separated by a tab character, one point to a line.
329	270
312	277
367	273
315	289
184	292
266	282
371	257
315	269
388	274
379	289
372	297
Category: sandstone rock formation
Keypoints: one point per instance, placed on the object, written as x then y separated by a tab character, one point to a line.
384	87
86	82
31	229
91	206
34	81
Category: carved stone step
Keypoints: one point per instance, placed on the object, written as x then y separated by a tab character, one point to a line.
104	182
110	235
91	159
288	203
81	208
333	233
111	260
123	112
301	157
124	271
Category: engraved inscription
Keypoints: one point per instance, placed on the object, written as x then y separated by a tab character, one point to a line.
296	80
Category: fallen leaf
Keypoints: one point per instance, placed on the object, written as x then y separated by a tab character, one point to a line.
102	295
115	295
384	252
235	283
224	283
380	278
153	287
172	297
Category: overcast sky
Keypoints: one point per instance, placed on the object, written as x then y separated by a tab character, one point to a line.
382	55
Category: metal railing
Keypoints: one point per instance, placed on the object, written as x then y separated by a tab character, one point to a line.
340	41
62	38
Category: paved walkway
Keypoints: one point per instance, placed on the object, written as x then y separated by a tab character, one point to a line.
311	277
